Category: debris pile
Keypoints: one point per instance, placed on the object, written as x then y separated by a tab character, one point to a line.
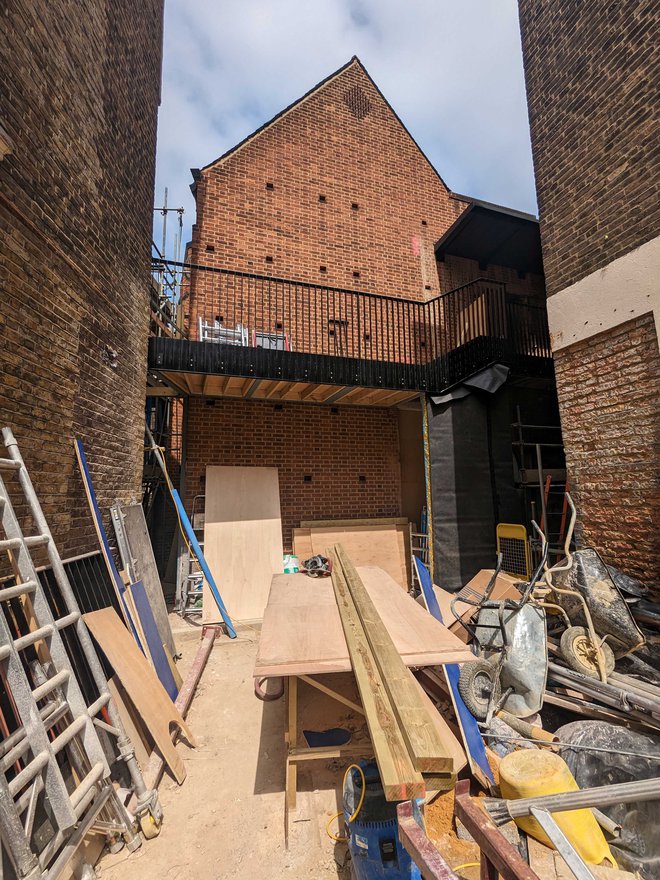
563	697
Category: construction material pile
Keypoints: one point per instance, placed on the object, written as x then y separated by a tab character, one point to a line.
562	703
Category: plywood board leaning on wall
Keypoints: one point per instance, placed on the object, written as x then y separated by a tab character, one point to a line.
147	571
242	539
383	543
138	679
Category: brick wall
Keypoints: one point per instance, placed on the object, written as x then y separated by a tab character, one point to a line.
335	446
325	185
79	91
609	392
591	74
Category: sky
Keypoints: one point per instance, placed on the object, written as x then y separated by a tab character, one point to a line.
451	69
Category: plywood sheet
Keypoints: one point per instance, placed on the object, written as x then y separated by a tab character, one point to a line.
302	632
302	543
386	545
454	747
141	684
149	629
146	570
133	726
242	539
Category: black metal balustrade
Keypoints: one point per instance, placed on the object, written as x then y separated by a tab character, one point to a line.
273	328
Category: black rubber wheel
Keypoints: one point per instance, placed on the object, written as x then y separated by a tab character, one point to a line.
478	685
579	653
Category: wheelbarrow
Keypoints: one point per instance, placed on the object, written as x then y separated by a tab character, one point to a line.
599	625
511	669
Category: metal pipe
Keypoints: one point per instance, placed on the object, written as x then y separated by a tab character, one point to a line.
560	744
563	845
37	635
618	696
18	590
28	773
600	796
607	824
50	715
50	684
86	785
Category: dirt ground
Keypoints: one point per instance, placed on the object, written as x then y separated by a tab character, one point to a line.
227	819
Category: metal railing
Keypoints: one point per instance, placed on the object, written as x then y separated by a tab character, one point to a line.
425	345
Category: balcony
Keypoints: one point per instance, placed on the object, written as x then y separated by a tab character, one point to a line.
258	337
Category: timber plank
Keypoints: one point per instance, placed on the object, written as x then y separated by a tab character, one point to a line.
302	632
372	521
427	749
139	680
400	780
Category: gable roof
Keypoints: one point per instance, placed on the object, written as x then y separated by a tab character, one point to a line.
354	60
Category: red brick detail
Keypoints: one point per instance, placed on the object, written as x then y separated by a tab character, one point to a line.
80	85
335	449
377	189
609	388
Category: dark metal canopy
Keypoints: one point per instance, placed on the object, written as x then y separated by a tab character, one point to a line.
491	234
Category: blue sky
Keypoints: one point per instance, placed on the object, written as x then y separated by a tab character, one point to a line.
452	70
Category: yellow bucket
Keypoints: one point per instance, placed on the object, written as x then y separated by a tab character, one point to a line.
534	773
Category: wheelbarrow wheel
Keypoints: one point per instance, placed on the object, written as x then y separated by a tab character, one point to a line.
580	654
478	685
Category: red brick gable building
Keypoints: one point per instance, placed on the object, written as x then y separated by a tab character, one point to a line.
316	314
333	190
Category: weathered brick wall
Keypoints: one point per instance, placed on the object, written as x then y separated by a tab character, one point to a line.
591	74
336	446
326	185
79	91
609	392
592	83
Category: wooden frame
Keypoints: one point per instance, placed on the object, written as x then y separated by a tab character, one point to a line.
320	753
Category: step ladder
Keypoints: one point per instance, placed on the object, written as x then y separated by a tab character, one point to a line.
53	714
419	547
189	600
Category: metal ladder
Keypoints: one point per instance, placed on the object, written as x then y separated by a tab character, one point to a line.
190	575
53	701
419	546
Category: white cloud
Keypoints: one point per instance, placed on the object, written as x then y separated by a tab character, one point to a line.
451	70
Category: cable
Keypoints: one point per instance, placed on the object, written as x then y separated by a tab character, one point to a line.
467	865
357	810
565	745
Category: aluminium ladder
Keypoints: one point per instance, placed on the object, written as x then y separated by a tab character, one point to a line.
51	700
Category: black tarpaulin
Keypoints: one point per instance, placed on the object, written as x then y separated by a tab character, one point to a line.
472	485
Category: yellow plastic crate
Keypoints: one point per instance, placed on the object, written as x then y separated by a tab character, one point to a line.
512	543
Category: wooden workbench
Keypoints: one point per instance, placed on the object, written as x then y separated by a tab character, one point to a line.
302	637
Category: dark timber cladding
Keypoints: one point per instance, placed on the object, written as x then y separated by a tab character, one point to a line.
491	235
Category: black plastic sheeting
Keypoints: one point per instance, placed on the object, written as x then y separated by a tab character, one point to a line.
472	485
638	847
